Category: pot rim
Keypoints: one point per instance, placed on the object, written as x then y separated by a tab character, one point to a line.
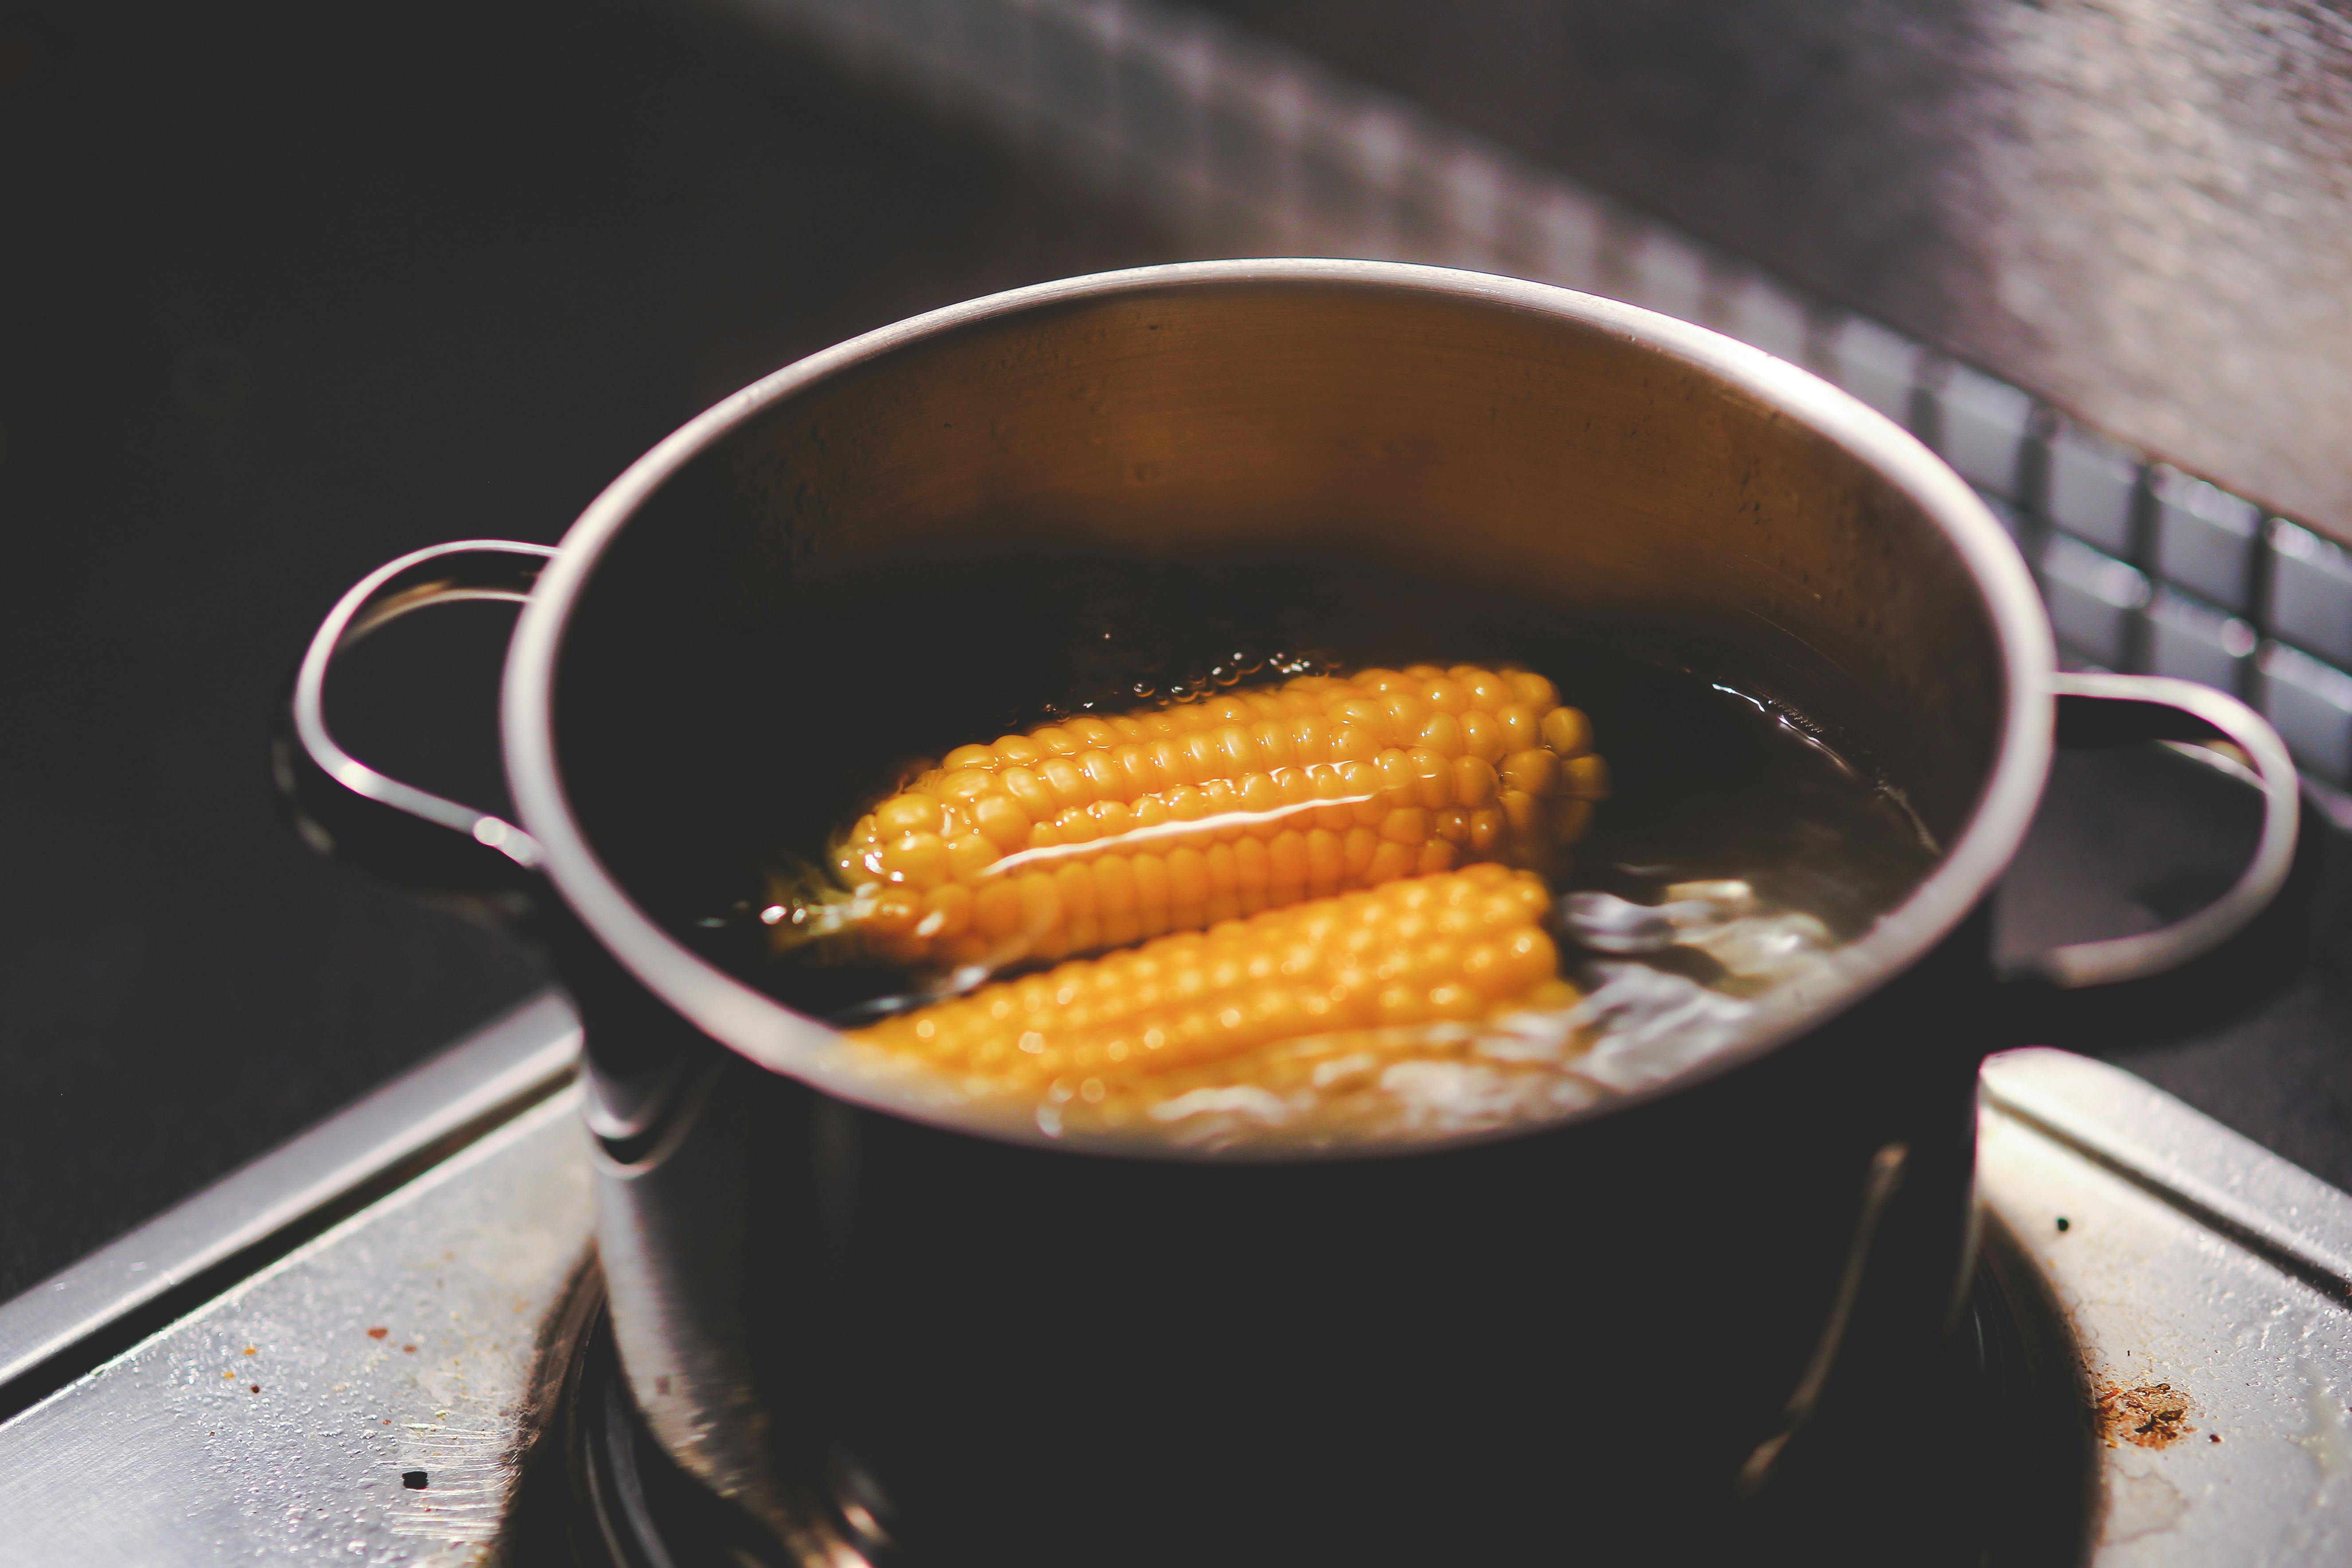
766	1031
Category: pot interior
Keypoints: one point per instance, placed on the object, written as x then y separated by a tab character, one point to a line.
876	558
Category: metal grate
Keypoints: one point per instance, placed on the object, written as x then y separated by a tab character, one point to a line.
1247	147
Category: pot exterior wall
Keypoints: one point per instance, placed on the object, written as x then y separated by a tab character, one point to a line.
987	1350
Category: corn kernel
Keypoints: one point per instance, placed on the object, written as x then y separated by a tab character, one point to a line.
907	814
1566	732
1533	772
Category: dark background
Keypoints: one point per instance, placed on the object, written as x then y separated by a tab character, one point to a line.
290	291
283	294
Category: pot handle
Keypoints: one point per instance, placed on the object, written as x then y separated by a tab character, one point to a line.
2115	710
346	809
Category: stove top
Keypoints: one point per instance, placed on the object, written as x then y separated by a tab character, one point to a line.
237	1375
379	1343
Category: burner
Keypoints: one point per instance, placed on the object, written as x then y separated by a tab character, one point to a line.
597	1491
1983	1459
1985	1456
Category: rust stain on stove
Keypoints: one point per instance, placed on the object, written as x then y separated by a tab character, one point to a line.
2145	1414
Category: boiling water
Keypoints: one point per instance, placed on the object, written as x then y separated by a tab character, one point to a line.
1741	848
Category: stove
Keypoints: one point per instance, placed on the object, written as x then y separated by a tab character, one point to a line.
384	1343
381	1342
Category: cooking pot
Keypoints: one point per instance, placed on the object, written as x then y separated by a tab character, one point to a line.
873	1331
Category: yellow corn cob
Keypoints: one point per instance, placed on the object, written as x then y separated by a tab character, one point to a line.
1101	832
1360	972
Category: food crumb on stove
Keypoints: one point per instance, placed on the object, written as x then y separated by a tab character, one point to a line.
251	1350
2146	1415
413	1480
377	1333
2214	1437
254	1387
2065	1223
408	1350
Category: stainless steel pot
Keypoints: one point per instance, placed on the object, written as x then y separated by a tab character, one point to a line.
876	1334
